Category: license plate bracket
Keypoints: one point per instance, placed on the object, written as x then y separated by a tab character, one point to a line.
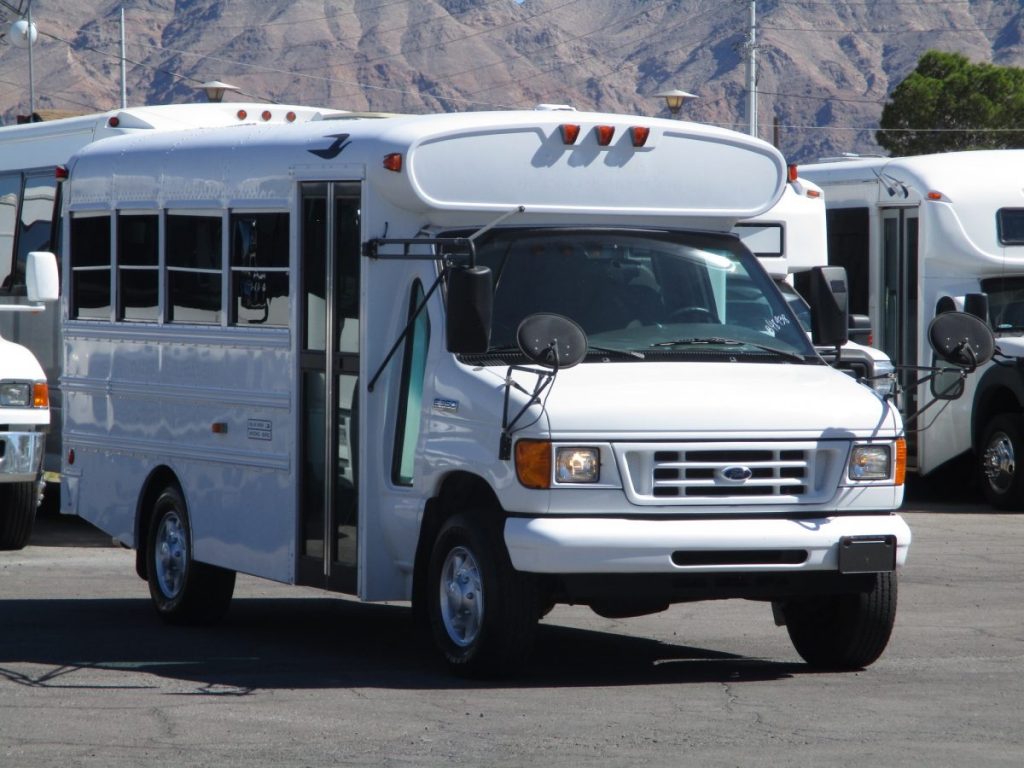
867	554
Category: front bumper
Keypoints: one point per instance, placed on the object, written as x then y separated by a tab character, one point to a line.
577	545
21	456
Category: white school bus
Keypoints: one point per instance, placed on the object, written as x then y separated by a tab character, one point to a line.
485	362
922	235
29	197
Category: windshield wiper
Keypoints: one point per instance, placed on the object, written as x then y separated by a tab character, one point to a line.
612	351
731	343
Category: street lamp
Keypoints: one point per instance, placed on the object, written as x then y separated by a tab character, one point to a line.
675	99
23	35
215	90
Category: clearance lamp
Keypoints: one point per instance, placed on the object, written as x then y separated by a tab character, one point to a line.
675	99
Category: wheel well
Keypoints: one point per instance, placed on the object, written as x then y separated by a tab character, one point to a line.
161	477
459	491
992	402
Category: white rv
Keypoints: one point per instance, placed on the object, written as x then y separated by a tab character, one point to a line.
24	412
29	191
921	235
488	362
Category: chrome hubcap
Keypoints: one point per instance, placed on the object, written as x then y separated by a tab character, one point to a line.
462	597
171	555
999	462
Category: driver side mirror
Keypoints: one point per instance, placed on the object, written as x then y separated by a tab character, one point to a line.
828	297
963	340
42	283
470	304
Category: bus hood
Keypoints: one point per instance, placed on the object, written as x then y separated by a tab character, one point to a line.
16	362
654	400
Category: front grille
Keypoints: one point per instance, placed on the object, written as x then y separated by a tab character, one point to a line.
719	473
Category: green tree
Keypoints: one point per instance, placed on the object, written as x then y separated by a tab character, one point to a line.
948	104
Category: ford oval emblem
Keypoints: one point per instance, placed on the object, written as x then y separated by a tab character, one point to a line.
737	474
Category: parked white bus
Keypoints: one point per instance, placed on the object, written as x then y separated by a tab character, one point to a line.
919	235
790	240
29	156
260	377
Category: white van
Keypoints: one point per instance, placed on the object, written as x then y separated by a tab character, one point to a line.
922	235
488	362
24	413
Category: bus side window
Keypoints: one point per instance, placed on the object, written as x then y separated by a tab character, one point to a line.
90	267
10	187
259	269
138	267
410	411
194	268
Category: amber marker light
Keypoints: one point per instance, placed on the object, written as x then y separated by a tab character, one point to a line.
901	461
605	133
570	132
40	395
393	162
533	463
639	133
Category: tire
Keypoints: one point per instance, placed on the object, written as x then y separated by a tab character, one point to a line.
17	514
183	591
483	613
844	632
1002	445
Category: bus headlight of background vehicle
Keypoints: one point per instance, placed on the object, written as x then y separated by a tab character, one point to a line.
577	464
878	461
24	394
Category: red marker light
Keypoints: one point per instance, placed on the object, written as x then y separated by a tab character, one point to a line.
604	134
242	114
639	134
290	117
60	172
393	162
114	122
791	172
570	133
266	114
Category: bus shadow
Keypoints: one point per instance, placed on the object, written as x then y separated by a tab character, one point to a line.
271	643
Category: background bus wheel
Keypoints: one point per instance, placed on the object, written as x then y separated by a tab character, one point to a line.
1000	474
483	613
17	514
844	631
183	591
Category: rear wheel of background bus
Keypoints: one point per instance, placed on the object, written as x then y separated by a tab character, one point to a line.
183	591
17	514
1001	446
844	631
483	613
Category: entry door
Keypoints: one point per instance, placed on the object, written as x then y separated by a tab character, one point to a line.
899	296
329	369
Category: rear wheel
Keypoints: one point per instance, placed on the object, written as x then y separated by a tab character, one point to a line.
183	591
1001	449
844	631
483	613
17	514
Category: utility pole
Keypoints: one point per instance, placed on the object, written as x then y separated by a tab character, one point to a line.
124	84
752	70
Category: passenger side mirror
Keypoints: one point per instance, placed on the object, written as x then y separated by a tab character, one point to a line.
828	297
42	283
961	339
860	329
470	303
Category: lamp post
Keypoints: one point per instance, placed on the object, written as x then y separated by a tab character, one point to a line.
215	90
23	34
675	99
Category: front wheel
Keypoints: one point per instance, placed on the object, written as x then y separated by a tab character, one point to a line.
17	514
1001	447
844	631
483	613
183	591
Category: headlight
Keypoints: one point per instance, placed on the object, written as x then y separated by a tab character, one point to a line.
17	394
871	462
577	465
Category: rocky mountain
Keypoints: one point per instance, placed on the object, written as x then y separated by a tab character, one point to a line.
824	67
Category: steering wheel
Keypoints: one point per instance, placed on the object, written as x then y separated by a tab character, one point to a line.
692	314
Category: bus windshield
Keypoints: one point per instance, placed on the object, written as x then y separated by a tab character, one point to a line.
641	291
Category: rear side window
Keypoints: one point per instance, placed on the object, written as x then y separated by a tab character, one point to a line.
1010	224
90	267
259	269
